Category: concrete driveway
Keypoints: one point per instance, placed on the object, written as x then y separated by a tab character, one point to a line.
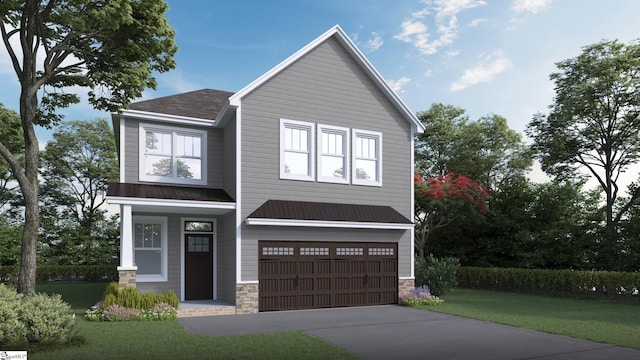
396	332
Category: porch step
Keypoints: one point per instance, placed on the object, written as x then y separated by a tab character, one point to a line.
188	309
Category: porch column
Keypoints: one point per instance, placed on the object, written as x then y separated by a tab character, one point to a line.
126	270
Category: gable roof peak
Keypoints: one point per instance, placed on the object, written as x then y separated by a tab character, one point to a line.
337	32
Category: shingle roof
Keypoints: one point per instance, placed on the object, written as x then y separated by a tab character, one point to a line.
303	210
201	104
167	192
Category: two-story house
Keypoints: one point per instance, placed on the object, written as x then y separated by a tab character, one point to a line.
294	192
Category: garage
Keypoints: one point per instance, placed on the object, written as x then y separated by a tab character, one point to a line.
307	275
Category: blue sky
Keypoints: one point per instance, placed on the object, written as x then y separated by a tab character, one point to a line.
488	57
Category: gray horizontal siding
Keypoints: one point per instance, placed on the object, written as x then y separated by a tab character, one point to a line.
324	87
227	258
229	158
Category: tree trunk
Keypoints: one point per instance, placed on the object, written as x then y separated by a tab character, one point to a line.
29	180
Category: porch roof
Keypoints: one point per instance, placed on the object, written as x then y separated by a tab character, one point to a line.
316	214
168	192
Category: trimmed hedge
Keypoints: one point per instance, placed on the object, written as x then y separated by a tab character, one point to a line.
47	273
568	283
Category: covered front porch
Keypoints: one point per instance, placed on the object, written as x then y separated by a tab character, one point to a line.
178	240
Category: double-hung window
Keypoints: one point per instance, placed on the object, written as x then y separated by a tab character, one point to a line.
173	155
150	247
333	154
296	150
366	158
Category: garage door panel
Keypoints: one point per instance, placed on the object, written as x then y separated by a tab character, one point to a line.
305	275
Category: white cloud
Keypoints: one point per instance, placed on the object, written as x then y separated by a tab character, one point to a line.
375	43
416	32
397	85
453	53
485	71
530	6
476	22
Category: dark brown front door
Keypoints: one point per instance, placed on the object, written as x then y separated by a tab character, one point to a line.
305	275
198	268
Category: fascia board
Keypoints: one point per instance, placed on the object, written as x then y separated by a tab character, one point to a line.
328	224
120	200
174	119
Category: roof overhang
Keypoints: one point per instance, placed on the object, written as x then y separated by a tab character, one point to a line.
172	205
328	224
327	215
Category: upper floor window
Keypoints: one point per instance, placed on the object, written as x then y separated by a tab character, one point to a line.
174	155
367	158
296	150
333	158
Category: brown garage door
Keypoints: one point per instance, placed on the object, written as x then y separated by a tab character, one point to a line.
306	275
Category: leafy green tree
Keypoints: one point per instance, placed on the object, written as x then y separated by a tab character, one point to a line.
490	152
486	150
437	146
594	124
9	243
77	166
111	47
12	136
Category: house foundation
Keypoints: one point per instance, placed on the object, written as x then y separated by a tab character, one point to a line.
247	298
126	278
405	285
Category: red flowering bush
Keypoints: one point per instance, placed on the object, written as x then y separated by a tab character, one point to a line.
442	199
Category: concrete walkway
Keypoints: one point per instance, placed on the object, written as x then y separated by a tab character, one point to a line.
396	332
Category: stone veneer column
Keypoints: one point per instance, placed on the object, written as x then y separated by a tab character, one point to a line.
247	298
405	285
126	278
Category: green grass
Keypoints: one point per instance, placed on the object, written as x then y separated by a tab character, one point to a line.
169	340
600	321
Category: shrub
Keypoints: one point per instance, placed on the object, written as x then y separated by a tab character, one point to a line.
120	313
129	304
94	313
10	326
172	299
438	274
47	319
569	283
113	288
130	297
419	296
161	311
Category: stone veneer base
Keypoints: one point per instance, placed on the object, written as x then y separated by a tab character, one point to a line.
404	285
247	298
126	278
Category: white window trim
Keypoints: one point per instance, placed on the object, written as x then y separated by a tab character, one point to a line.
365	133
142	129
310	141
162	220
345	151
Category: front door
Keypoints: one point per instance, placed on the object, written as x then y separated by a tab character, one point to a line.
198	267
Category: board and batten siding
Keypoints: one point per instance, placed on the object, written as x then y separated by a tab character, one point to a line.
326	86
215	153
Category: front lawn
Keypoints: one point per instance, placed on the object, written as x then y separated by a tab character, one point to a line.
600	321
169	340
